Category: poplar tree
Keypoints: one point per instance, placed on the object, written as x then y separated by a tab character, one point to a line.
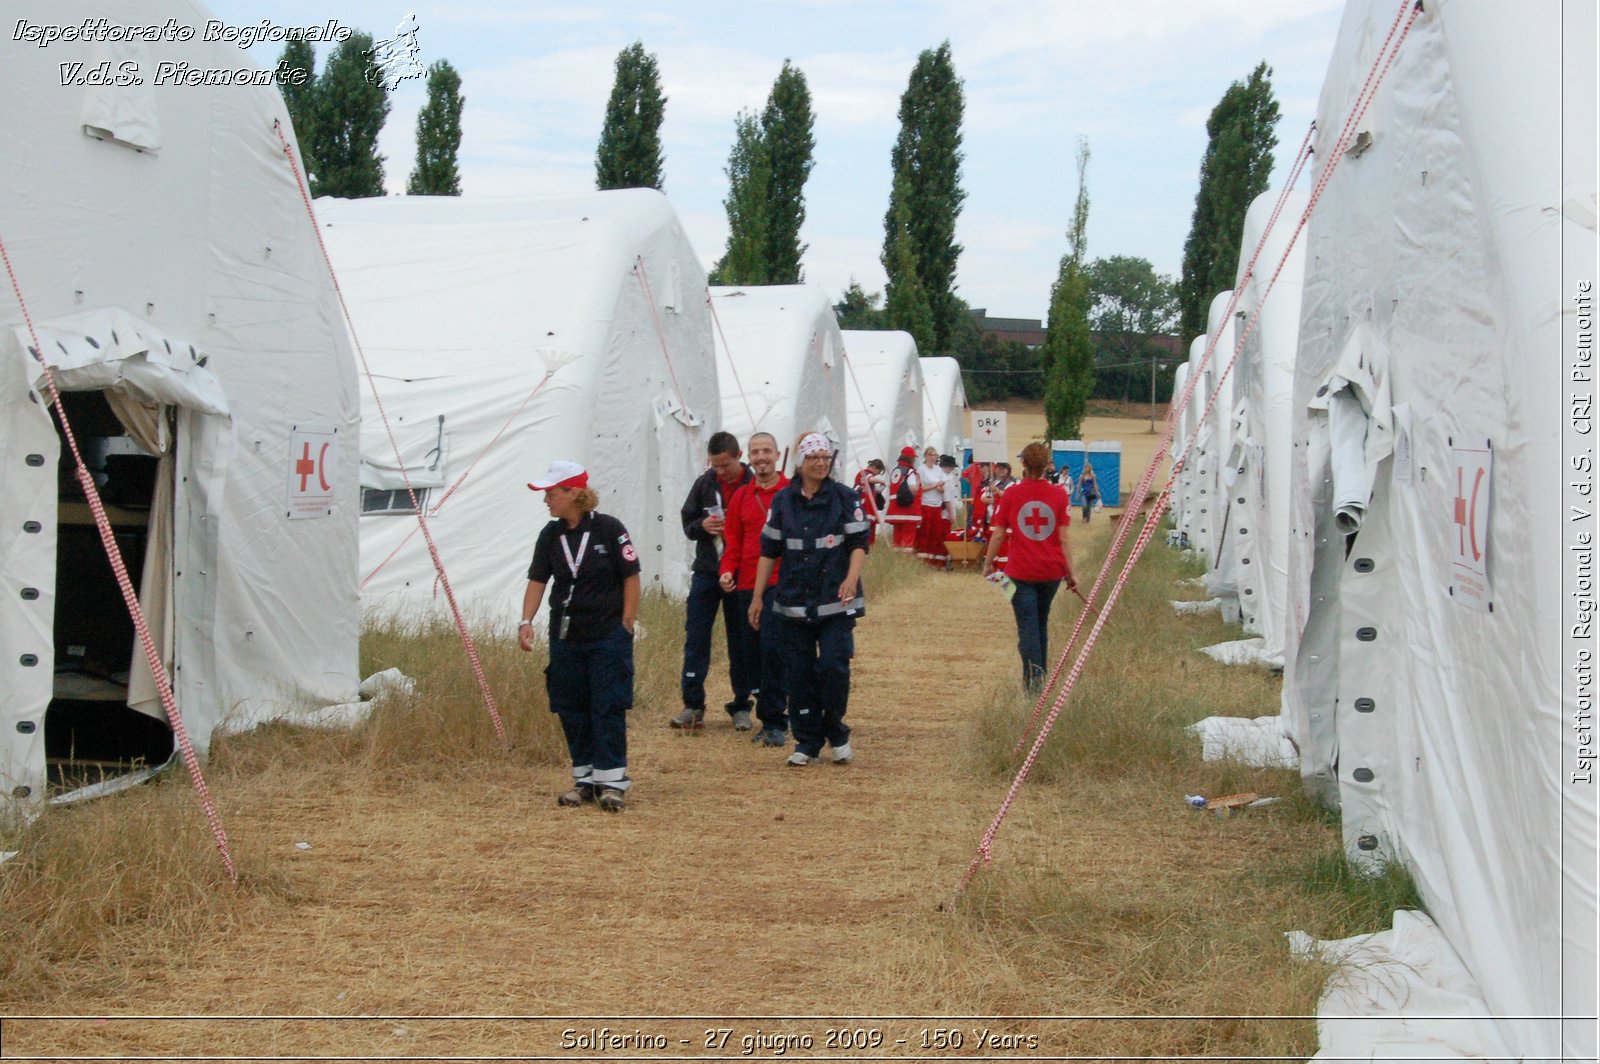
1067	355
745	261
350	104
906	303
297	82
438	135
926	160
786	126
1236	168
629	155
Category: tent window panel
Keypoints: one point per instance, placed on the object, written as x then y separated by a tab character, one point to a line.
383	501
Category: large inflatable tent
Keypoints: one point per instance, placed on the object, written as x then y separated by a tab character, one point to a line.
503	334
885	396
1424	676
782	366
172	277
1256	466
944	405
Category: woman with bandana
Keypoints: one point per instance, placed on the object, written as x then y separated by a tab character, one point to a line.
819	531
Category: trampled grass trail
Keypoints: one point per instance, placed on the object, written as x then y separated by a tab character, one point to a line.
386	891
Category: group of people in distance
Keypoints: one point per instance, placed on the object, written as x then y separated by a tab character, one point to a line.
780	559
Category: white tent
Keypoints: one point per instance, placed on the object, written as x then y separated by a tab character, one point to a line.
782	365
1214	436
1257	460
885	395
1193	509
944	406
1430	399
172	275
503	334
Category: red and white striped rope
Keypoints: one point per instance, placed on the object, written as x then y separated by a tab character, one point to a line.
434	510
422	521
733	364
130	597
1381	65
1136	501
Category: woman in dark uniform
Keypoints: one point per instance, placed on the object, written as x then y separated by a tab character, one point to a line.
593	606
819	531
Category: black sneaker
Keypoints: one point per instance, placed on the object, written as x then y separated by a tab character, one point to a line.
771	737
741	720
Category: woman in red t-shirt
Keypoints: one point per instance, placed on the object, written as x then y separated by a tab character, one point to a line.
1039	556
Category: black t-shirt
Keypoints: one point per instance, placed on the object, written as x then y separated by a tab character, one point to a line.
608	559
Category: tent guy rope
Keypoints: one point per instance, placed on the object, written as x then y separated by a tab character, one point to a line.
422	521
169	702
1380	68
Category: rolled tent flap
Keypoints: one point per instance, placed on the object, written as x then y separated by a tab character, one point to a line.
1360	426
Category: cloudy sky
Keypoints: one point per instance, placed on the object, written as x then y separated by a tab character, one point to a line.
1137	80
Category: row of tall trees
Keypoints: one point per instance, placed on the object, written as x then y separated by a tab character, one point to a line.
1107	317
338	114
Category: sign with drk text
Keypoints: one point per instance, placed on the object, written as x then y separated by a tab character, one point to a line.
313	469
989	436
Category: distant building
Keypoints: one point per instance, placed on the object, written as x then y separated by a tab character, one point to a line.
1029	331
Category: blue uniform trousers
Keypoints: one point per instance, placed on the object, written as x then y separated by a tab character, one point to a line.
766	646
817	664
706	597
590	684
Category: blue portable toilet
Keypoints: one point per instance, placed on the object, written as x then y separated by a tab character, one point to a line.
1104	455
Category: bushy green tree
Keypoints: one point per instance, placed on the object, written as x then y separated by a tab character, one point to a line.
858	309
1132	308
1067	354
745	261
927	195
629	155
438	135
350	105
786	127
1236	168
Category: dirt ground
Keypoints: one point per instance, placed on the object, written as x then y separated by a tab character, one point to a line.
471	916
1025	422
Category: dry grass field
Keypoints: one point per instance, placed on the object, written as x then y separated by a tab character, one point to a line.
409	889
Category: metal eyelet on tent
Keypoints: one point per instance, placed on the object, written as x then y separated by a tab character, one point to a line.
30	594
1363	775
26	727
1366	634
34	460
1367	842
1364	565
21	792
1365	705
33	528
29	660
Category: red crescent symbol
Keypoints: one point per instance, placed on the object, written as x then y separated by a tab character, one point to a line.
321	458
1472	516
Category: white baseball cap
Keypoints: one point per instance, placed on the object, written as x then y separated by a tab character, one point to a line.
561	474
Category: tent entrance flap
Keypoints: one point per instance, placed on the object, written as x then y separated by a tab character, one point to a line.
90	728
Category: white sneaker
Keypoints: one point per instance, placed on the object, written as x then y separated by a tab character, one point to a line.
843	754
798	759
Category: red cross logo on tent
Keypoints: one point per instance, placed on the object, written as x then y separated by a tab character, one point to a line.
1036	521
313	464
1469	573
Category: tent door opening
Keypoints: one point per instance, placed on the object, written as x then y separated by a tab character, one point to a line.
91	733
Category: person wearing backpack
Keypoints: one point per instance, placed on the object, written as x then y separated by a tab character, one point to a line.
905	508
